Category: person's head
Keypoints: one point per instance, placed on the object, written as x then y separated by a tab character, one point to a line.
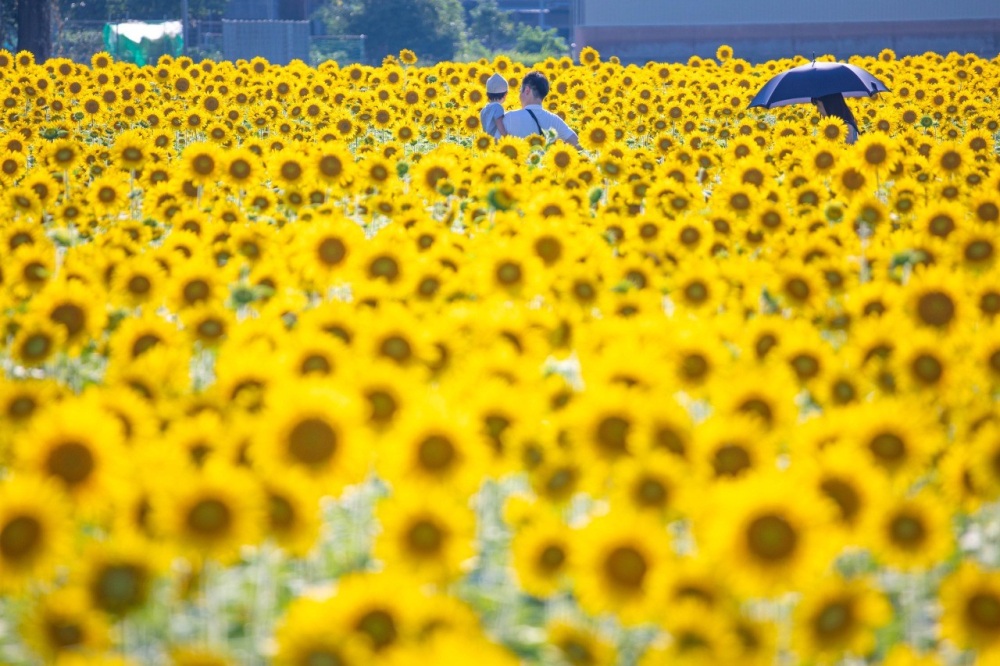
534	88
496	88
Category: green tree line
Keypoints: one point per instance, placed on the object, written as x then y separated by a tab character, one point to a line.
434	29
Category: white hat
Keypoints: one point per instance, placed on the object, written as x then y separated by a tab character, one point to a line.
496	84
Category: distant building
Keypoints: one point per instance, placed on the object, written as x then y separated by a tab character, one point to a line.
638	31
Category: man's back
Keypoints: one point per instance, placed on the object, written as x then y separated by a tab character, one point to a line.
520	123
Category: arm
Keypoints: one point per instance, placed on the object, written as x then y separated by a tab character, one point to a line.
500	126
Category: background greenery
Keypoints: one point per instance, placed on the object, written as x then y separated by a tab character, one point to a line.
434	29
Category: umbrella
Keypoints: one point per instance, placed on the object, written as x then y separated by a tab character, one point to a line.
803	84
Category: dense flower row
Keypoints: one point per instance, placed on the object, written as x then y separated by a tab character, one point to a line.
300	367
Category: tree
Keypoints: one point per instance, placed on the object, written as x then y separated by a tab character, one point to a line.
433	29
34	28
491	26
545	43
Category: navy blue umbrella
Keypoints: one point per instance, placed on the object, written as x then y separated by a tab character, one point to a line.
805	83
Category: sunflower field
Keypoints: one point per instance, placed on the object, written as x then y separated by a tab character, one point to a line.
302	368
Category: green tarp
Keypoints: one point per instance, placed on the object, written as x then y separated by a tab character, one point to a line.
143	42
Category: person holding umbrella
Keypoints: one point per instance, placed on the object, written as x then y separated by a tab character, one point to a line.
834	105
824	84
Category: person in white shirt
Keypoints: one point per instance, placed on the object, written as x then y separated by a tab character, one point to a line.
531	118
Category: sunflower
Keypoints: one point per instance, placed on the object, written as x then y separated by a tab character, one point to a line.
34	530
541	556
303	637
293	511
218	509
425	533
731	447
201	163
139	335
838	617
240	167
877	153
773	532
119	574
618	562
432	445
37	341
654	483
378	608
910	533
130	150
575	644
63	623
77	445
950	158
695	635
970	600
317	433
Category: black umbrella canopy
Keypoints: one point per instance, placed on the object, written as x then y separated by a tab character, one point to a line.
803	84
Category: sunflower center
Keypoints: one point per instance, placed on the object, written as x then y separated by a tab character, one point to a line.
331	166
396	348
144	343
21	407
508	273
626	567
280	512
71	316
379	626
120	587
386	267
315	363
319	658
730	460
696	292
332	251
612	434
203	165
907	531
651	492
927	369
876	155
771	537
576	652
936	308
383	406
979	250
694	366
436	453
888	448
425	537
844	495
63	633
72	462
196	291
983	611
36	347
312	441
805	366
552	558
834	620
209	517
19	538
139	285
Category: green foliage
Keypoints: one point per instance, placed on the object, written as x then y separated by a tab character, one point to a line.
545	43
490	26
148	10
433	29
